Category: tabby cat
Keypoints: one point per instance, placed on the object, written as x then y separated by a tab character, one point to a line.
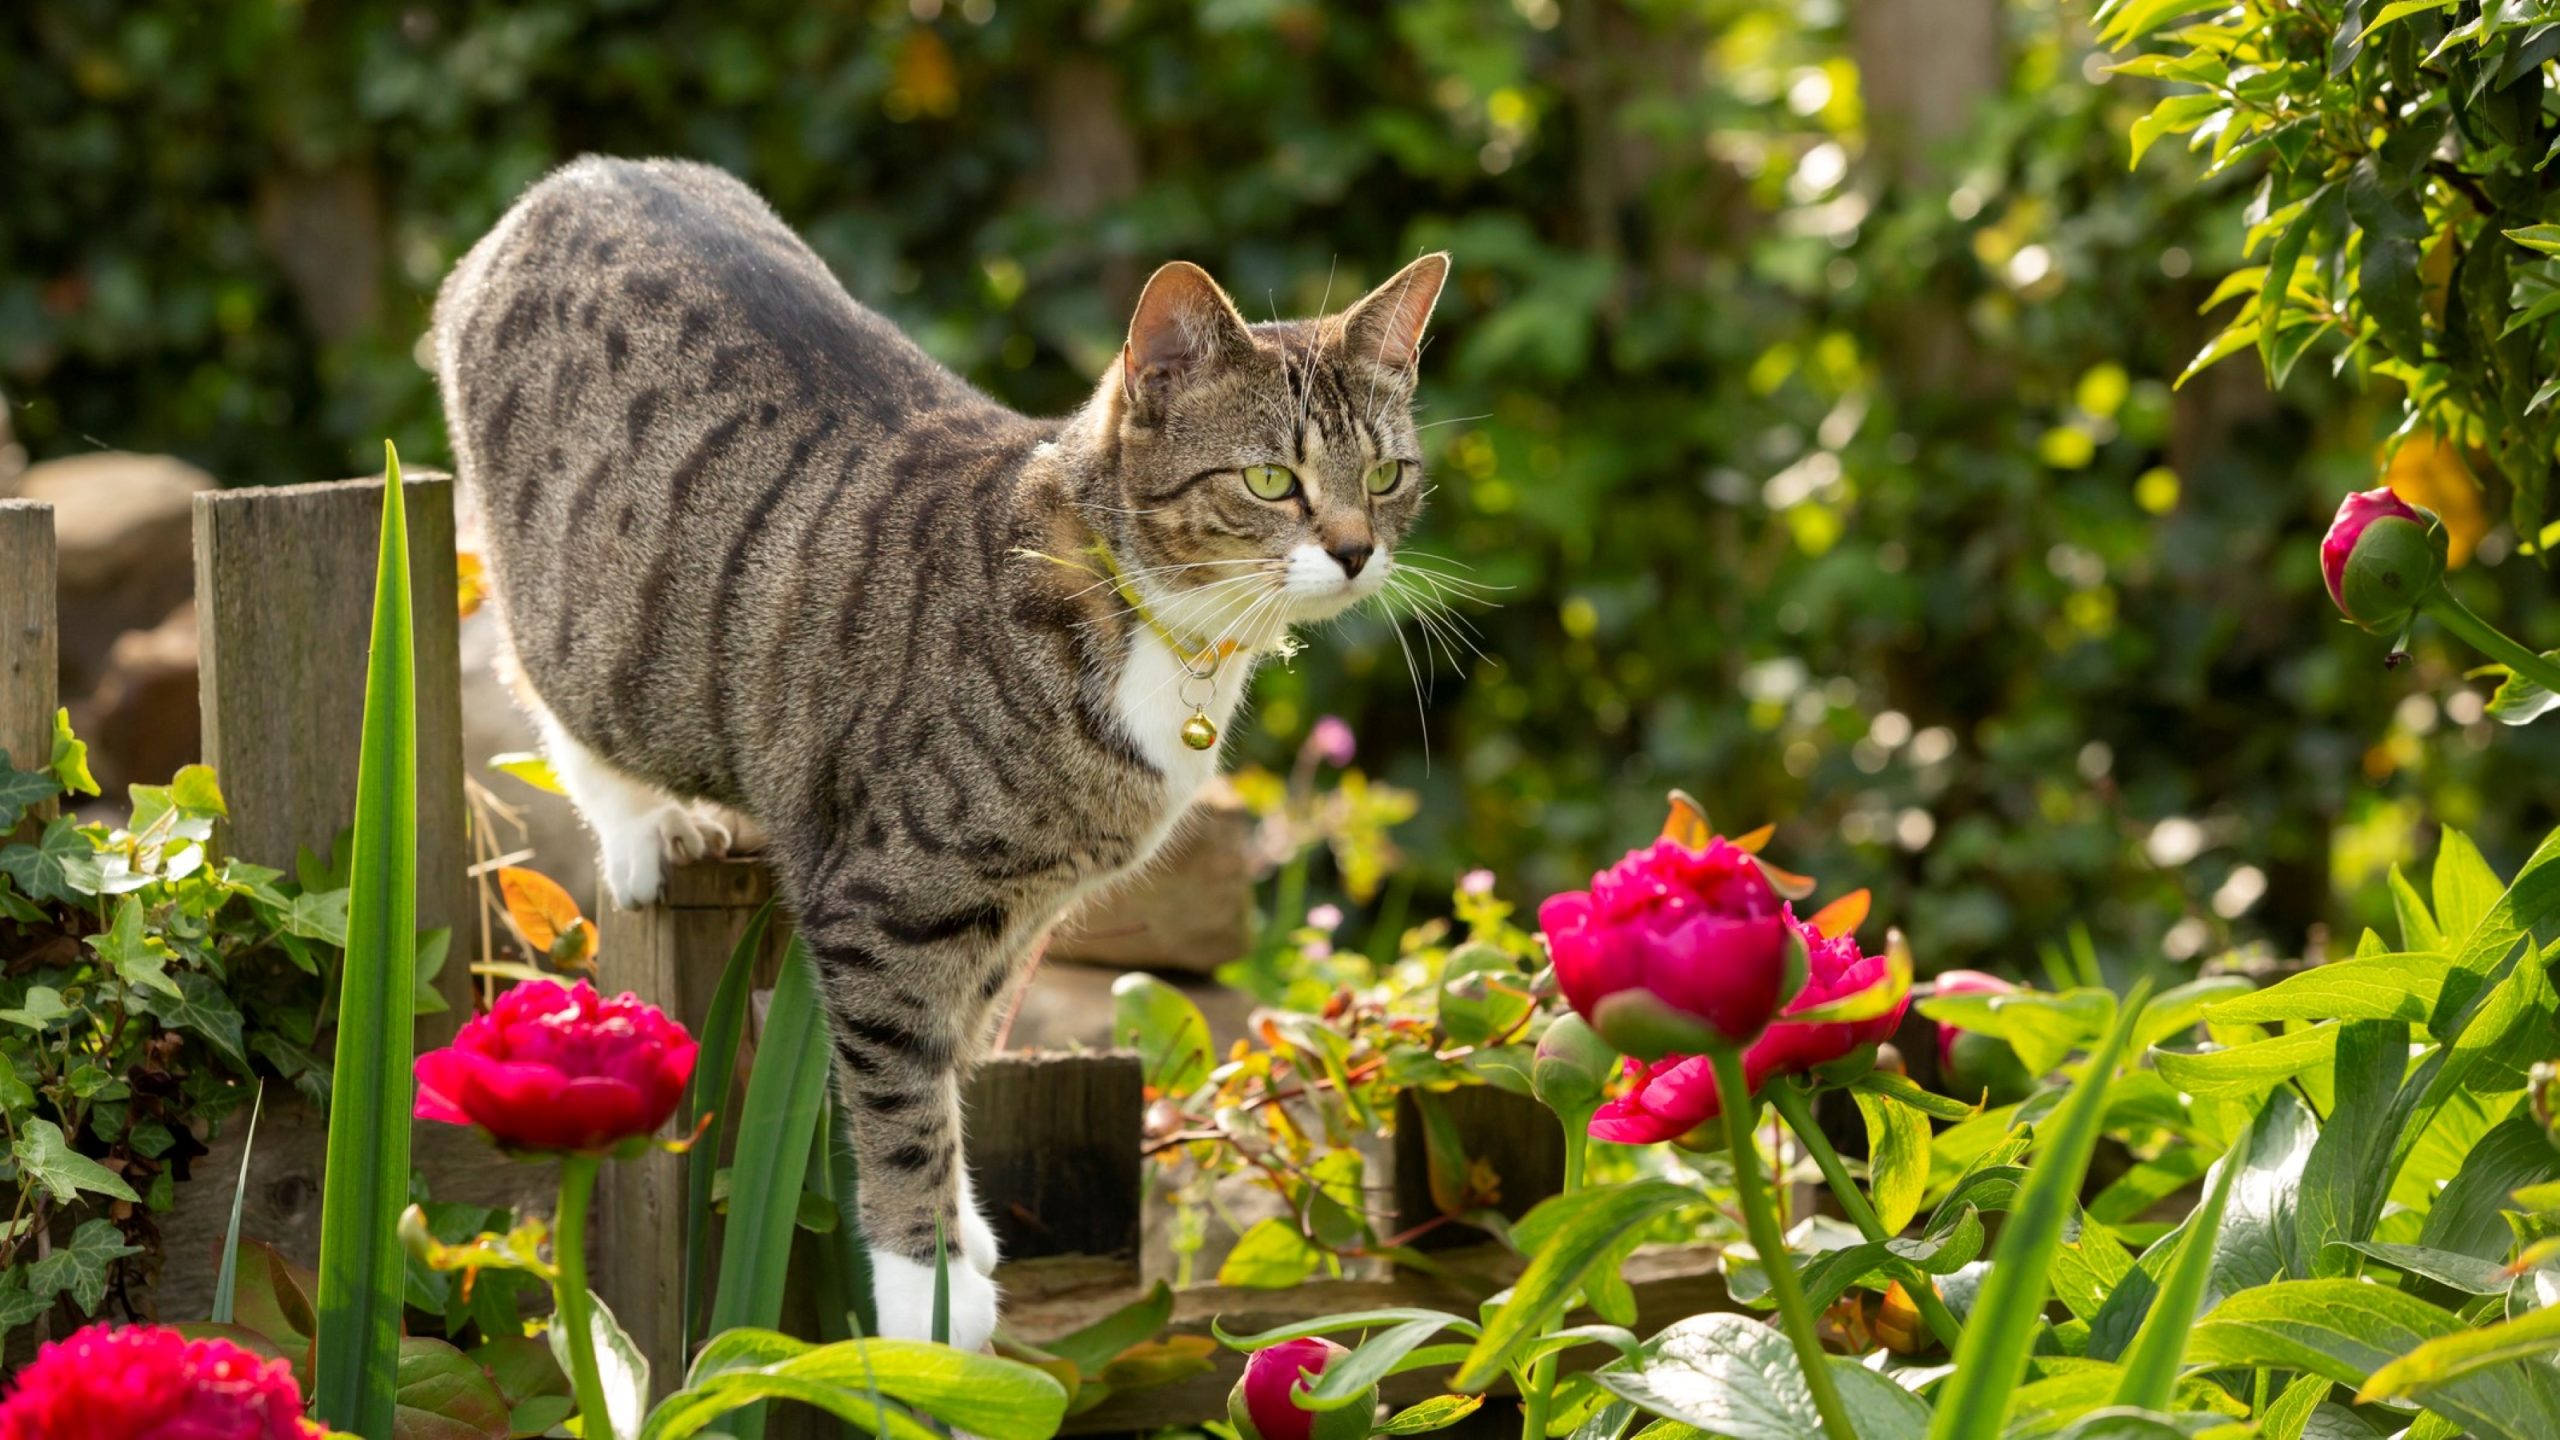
767	568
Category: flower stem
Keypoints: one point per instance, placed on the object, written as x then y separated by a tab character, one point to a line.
2491	641
1793	1105
1741	1115
1540	1399
573	1308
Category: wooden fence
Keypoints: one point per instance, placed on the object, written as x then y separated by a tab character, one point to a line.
284	599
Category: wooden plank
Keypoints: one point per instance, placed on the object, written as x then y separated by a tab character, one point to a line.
1053	1148
1047	1299
670	955
284	597
28	660
1514	1134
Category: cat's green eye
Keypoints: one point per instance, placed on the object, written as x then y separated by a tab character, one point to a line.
1271	482
1384	475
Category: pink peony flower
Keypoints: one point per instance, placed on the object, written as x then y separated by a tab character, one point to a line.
1971	1064
1675	949
147	1382
1260	1407
1677	1093
556	1067
2381	557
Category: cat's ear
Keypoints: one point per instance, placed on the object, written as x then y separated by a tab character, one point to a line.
1386	326
1184	325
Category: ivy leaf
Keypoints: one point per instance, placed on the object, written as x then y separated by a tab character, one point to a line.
321	917
2520	701
81	1266
1272	1255
138	959
18	1304
21	789
42	1006
46	1158
71	758
44	869
201	1005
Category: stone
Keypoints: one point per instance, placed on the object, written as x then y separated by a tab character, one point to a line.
124	528
141	721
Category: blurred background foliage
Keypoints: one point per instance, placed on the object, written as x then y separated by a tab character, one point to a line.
1804	377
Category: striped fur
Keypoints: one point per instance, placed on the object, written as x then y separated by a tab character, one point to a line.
756	551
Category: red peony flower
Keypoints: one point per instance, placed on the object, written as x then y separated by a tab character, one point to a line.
146	1382
1260	1407
1675	949
1677	1093
2381	557
557	1067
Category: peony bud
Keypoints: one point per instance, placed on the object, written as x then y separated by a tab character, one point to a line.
1572	1068
1972	1064
1674	949
2381	558
1261	1407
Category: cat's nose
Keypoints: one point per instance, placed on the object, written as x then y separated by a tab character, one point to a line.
1350	555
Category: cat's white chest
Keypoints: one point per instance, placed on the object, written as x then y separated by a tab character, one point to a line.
1156	698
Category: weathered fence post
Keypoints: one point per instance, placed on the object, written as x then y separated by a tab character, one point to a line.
27	631
284	599
1514	1135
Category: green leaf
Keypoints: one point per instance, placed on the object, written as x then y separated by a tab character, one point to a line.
1169	1033
2152	1364
2347	1177
70	765
2465	887
2397	11
2374	987
204	1007
1270	1255
1336	1324
2466	1273
978	1394
2002	1325
1094	1346
1897	1158
2417	924
2468	1216
707	1097
226	1279
2345	1330
22	790
52	867
2239	336
2532	903
2323	211
80	1267
137	959
2174	115
1904	1090
1349	1377
18	1304
442	1395
621	1367
1438	1412
38	1008
2545	238
45	1157
365	1179
2448	1358
786	1092
1586	1226
2519	701
1736	1378
2246	1071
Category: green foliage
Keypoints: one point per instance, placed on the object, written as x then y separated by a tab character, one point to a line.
2403	208
147	990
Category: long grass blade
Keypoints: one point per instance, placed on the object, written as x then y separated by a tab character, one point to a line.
2151	1363
850	1252
714	1076
1975	1399
366	1180
226	1278
786	1092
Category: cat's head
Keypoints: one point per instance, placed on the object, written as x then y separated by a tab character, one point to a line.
1266	474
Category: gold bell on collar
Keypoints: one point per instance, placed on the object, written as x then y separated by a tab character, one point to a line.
1199	732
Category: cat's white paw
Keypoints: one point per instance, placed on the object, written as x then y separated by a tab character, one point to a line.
977	1239
902	1293
638	848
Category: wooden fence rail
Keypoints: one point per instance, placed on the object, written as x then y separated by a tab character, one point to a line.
283	591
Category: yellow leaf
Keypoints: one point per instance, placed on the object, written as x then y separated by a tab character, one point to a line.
1687	824
528	767
471	581
541	911
2429	473
1843	915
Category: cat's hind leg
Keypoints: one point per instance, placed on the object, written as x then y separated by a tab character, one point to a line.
639	828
